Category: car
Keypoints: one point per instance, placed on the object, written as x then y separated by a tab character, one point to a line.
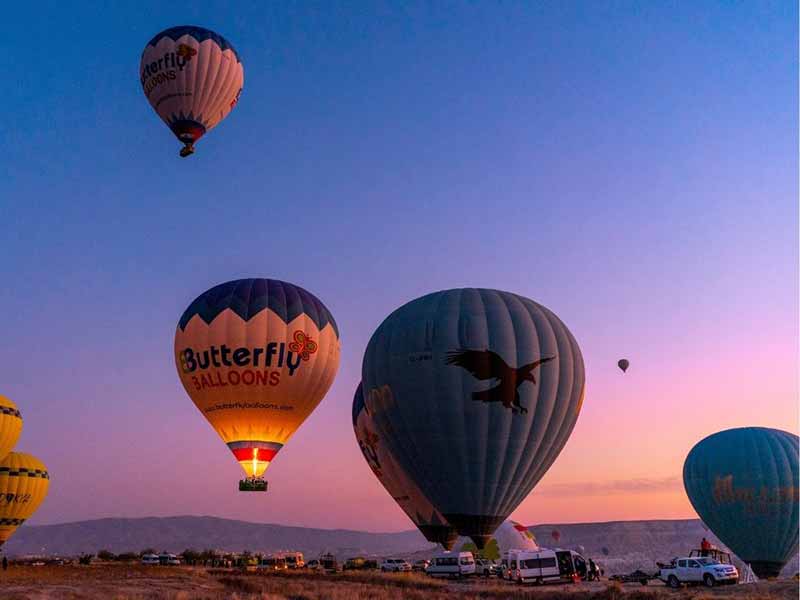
395	565
451	564
698	570
150	559
420	565
165	558
313	565
486	567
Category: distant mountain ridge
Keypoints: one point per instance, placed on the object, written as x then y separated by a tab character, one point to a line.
630	544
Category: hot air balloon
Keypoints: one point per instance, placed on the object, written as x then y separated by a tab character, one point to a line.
256	356
400	487
513	536
744	485
23	486
10	425
192	78
556	535
475	392
623	364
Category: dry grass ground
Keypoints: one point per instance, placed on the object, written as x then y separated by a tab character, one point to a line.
121	582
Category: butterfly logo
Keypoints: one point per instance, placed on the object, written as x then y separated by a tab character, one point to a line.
303	345
186	52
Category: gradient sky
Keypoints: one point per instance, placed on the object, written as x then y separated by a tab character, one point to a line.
631	166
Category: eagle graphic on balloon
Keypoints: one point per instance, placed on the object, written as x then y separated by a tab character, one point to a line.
485	365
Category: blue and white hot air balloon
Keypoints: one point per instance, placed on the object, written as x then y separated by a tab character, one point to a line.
192	78
474	392
744	485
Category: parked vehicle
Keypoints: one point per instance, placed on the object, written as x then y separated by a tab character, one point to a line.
696	571
395	565
372	564
451	564
420	565
486	567
357	563
294	560
167	559
544	566
328	563
272	562
313	564
150	559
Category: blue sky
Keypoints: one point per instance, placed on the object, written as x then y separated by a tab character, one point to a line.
632	166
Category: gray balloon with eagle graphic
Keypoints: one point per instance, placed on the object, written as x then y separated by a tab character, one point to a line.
475	392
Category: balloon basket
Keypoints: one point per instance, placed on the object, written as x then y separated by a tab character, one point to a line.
187	150
253	484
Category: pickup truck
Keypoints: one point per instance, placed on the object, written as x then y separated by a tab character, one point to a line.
697	570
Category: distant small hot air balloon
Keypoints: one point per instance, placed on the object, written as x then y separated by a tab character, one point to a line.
24	481
605	550
745	486
623	364
10	425
192	78
555	534
256	356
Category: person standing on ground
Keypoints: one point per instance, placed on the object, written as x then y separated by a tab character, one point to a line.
5	564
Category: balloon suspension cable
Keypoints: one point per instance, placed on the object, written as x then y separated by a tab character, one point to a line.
187	150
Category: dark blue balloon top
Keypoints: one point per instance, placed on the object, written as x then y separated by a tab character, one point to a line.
248	297
199	33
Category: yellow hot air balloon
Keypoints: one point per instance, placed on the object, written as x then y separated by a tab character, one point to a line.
256	356
23	486
10	425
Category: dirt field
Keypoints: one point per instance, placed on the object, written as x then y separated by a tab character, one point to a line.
183	583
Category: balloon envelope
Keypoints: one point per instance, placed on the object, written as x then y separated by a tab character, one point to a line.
192	78
256	356
401	488
744	485
475	392
623	364
10	425
514	536
24	482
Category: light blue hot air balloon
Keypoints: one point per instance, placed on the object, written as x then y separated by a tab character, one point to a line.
475	392
744	485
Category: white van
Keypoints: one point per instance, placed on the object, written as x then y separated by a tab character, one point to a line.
451	564
150	559
542	566
273	562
